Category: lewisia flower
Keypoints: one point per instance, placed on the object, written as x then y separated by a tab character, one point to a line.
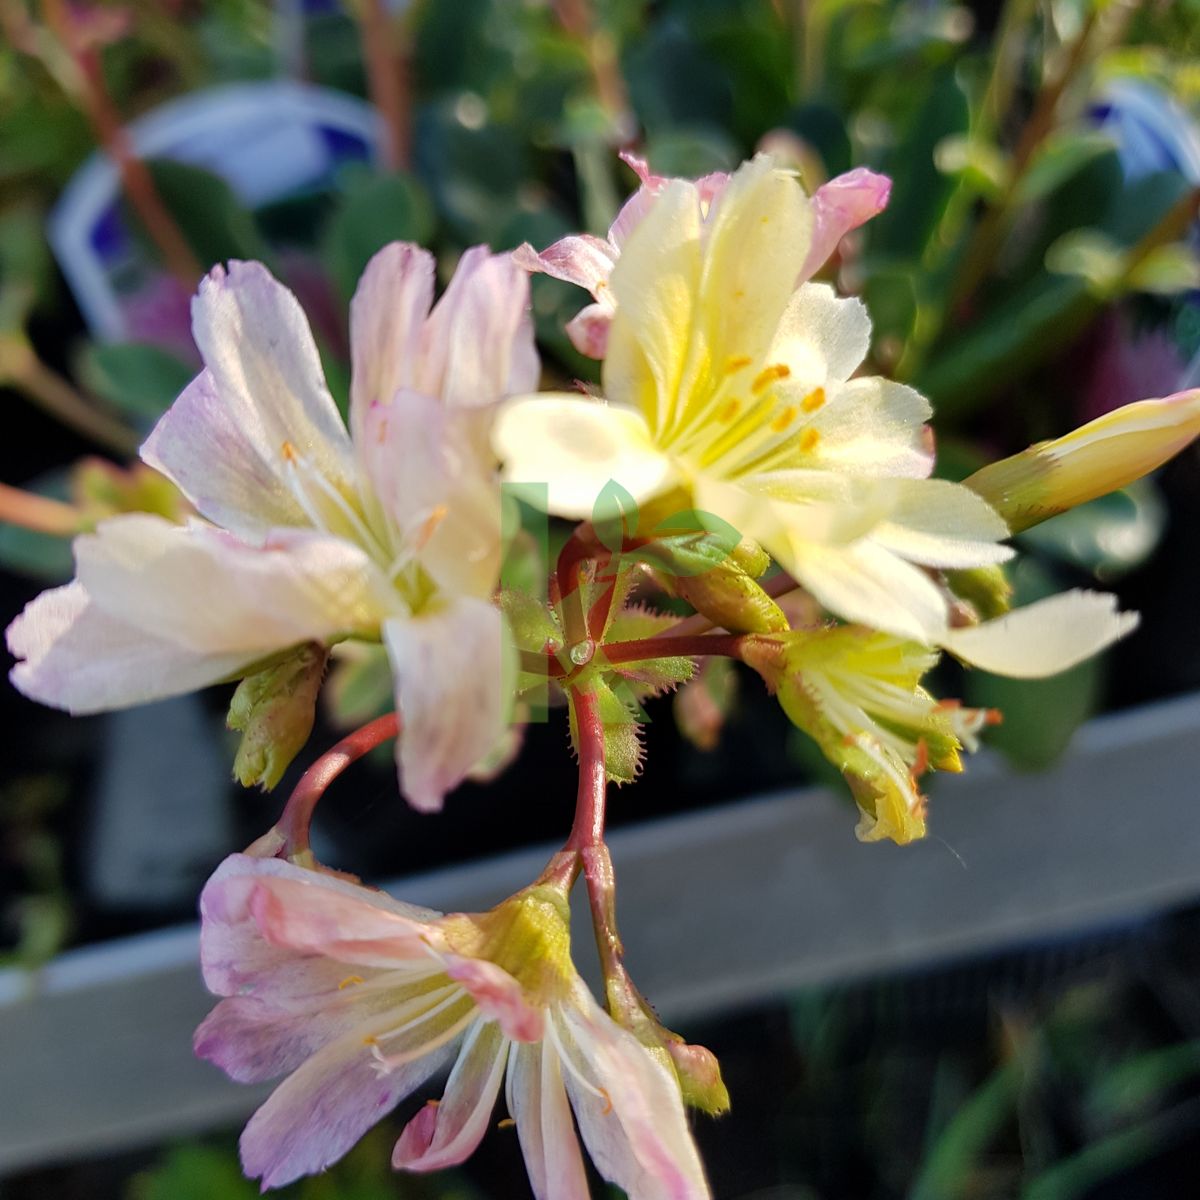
857	693
309	535
360	999
839	206
728	389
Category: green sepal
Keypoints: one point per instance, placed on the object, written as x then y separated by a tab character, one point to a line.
620	716
986	589
274	710
731	598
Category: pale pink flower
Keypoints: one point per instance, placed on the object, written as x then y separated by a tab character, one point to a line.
360	999
837	207
310	535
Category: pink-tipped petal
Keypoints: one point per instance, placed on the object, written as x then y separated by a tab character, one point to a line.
313	920
537	1100
73	655
263	388
630	1112
844	203
583	259
236	957
323	1108
499	996
453	667
477	345
387	314
445	1134
588	330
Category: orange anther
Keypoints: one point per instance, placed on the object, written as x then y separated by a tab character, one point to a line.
507	1123
814	400
768	375
808	440
608	1104
736	362
350	980
729	410
785	417
289	451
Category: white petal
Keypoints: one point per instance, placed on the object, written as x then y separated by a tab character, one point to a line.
941	524
873	426
869	584
574	446
453	668
820	337
630	1113
75	656
1043	638
223	441
325	1107
477	345
588	330
387	314
446	1134
537	1101
205	590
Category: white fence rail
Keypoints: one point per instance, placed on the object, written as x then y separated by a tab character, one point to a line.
721	908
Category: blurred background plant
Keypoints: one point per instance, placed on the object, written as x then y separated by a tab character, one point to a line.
1037	266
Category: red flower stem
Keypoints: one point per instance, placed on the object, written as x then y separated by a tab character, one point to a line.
572	562
675	646
136	180
297	814
588	828
387	80
40	513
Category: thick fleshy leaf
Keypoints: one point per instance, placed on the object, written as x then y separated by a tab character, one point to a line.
261	402
575	447
453	667
537	1101
73	655
207	591
844	203
628	1107
1043	638
477	345
445	1134
323	1108
387	314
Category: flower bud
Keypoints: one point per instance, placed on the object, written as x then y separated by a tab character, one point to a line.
1050	477
731	598
274	710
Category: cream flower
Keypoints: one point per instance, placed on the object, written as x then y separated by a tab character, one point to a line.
360	1000
310	536
842	204
731	389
